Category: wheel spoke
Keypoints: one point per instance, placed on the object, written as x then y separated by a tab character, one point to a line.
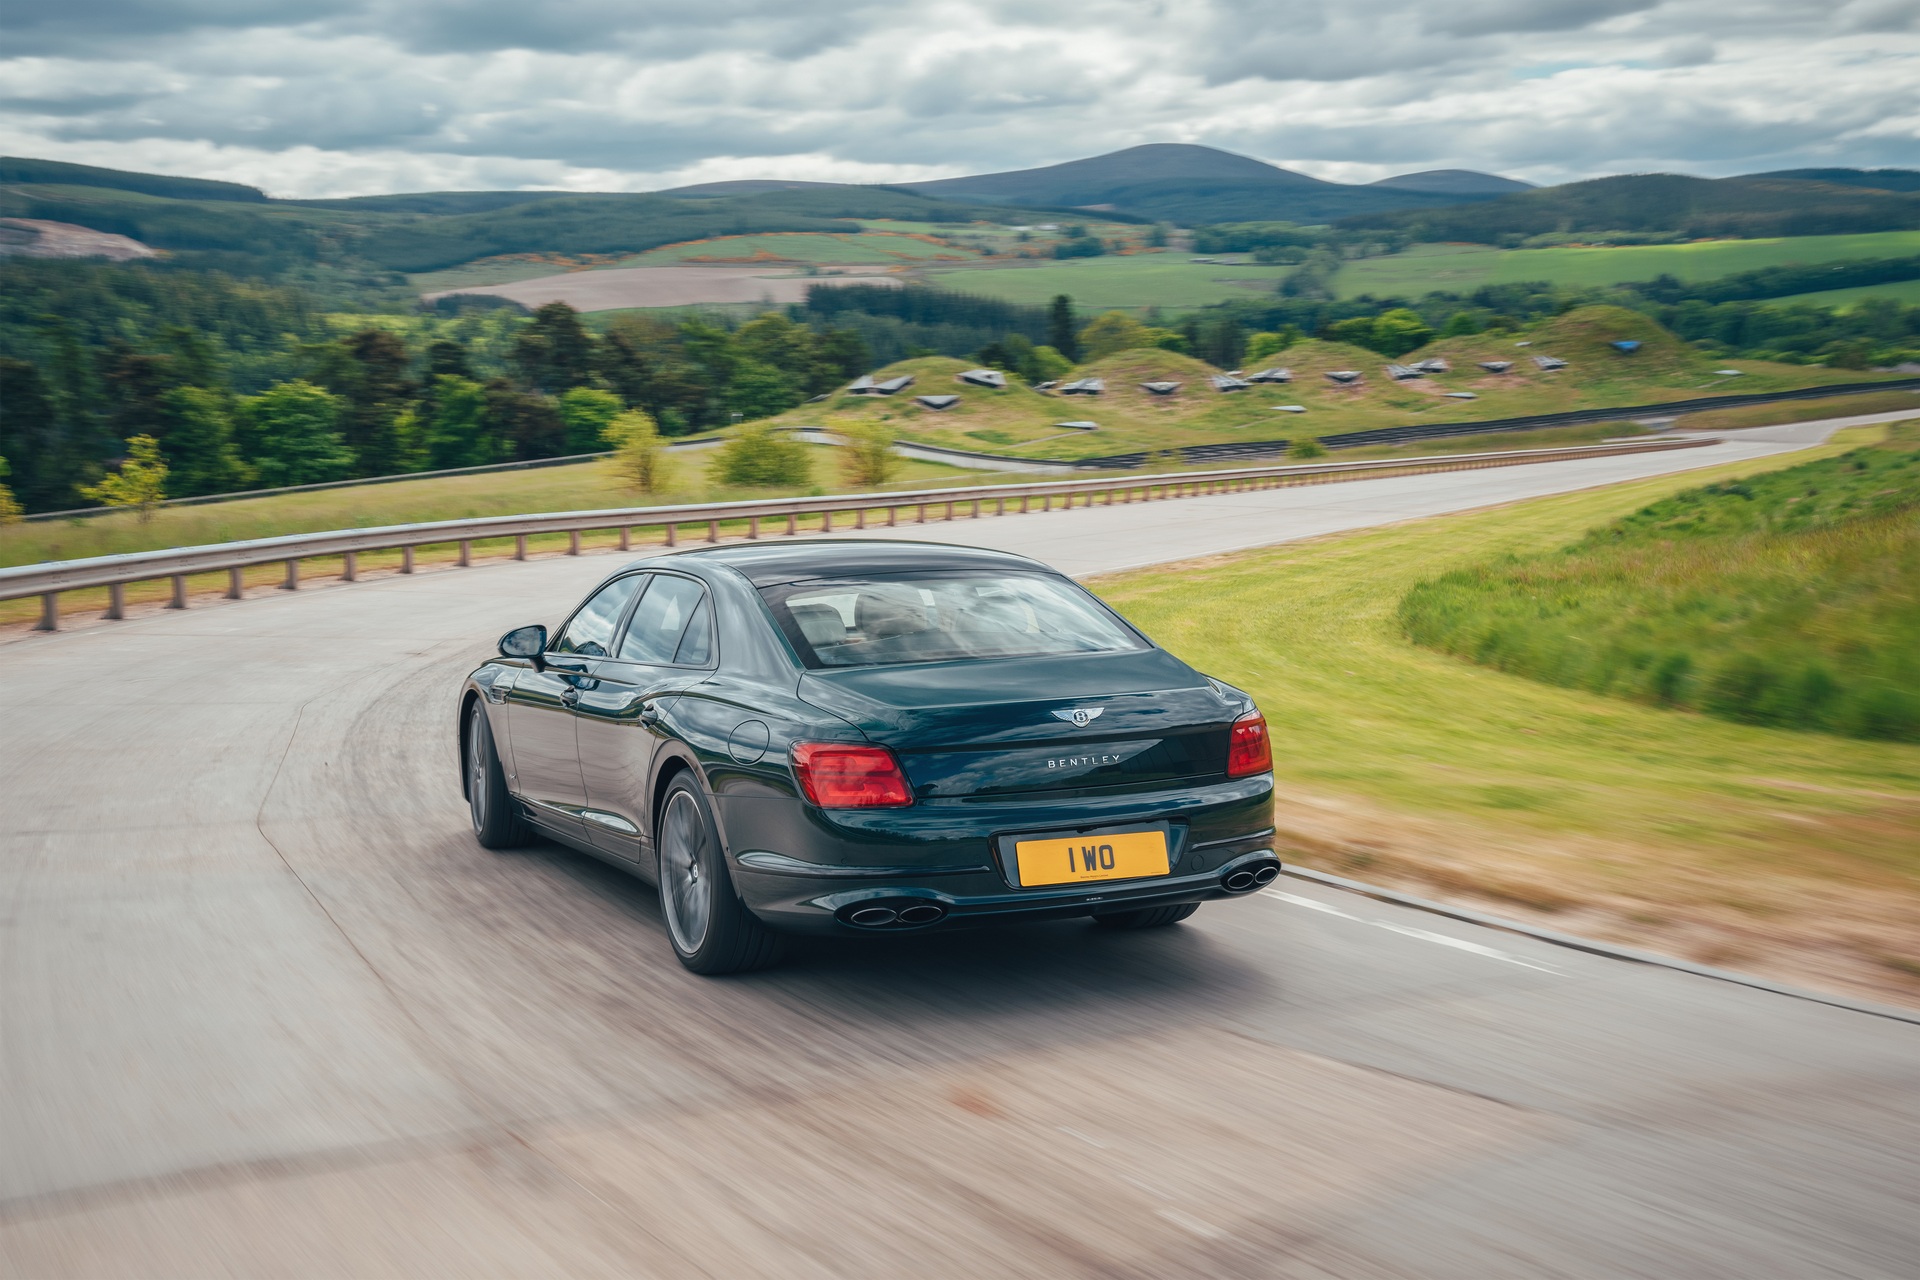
687	891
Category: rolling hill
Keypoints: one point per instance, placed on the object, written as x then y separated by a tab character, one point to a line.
1193	185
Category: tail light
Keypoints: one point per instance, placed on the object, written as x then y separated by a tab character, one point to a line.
838	775
1248	751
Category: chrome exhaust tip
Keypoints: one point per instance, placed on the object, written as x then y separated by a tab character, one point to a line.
873	917
923	913
1266	874
1238	881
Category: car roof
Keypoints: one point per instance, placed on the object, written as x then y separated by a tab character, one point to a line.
765	565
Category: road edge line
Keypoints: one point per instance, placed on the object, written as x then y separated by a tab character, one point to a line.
1593	947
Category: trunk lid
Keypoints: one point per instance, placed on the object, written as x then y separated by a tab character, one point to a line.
989	729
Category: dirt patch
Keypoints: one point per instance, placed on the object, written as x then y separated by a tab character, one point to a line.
662	287
35	238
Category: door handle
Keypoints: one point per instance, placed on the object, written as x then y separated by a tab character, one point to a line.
570	696
649	713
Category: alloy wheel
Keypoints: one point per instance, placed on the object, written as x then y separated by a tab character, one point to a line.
687	889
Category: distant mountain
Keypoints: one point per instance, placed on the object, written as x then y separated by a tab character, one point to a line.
1454	182
1193	185
1763	205
743	187
1878	179
59	173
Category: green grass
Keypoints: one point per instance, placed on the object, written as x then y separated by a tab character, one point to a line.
1400	763
1115	282
866	248
1787	599
1904	292
1463	268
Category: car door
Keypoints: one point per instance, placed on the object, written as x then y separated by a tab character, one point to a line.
667	645
546	750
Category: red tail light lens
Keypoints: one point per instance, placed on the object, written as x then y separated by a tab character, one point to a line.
1248	751
837	775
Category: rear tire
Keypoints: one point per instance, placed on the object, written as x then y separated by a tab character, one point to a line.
711	930
497	823
1145	917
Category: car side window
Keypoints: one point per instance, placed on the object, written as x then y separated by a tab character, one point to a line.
653	634
590	631
696	646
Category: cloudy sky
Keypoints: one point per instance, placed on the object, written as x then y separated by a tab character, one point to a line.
342	97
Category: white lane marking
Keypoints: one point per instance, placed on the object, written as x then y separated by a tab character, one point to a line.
1459	944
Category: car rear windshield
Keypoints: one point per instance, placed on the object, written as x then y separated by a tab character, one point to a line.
887	619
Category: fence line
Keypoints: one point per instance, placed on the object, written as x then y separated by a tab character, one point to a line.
48	579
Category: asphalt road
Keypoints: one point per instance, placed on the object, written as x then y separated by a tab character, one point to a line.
266	1008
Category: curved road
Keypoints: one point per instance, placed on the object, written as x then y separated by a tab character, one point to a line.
265	1008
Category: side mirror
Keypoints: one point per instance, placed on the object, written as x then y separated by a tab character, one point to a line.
525	642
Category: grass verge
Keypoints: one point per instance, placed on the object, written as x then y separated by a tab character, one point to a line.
1787	853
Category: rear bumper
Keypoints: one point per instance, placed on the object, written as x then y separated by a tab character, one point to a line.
949	858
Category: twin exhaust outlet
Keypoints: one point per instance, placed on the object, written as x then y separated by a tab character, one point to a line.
912	913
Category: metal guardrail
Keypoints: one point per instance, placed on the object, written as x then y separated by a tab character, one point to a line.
48	579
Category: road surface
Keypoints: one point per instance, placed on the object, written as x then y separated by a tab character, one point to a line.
266	1008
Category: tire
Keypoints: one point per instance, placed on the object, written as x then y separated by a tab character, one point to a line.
497	824
711	930
1146	917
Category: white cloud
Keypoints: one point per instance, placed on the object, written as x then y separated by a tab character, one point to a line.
330	97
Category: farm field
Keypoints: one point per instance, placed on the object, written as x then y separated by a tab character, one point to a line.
772	284
1460	268
1904	292
1787	853
1024	422
1116	282
815	247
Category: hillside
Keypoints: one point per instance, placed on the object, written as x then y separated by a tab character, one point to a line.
1661	202
1454	182
1194	185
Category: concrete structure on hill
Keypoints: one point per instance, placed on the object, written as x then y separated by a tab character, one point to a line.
984	378
1272	375
1160	388
1227	382
1084	387
1401	372
1343	376
1435	364
937	402
1550	363
1626	346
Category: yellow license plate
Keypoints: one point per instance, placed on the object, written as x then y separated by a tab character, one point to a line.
1128	855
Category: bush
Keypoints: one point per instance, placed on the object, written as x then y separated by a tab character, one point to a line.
869	458
140	482
639	454
759	457
1306	447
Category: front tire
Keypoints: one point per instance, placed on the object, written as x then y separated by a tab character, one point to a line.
712	932
1146	917
497	824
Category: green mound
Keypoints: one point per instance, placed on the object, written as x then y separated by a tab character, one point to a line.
1586	334
1791	599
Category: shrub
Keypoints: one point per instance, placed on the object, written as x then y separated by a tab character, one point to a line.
639	454
140	482
759	457
869	458
1306	447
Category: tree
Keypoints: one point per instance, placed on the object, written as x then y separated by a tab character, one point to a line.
1262	345
373	381
202	455
587	411
791	348
761	458
869	458
9	509
531	421
291	431
1399	331
1461	324
140	482
31	435
759	390
457	434
554	353
1112	332
639	455
1061	335
846	352
1047	365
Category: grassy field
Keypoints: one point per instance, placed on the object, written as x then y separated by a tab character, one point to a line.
1116	282
1025	422
1460	268
1766	415
1784	599
1904	292
868	247
1789	853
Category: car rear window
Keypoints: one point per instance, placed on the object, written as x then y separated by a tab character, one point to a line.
887	619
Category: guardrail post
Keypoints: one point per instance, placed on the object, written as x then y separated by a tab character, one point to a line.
793	524
949	513
713	531
350	567
826	522
626	538
49	612
236	583
179	600
406	559
466	553
573	542
921	518
860	518
116	600
519	546
976	509
999	506
1046	502
293	576
893	517
673	534
1024	500
753	527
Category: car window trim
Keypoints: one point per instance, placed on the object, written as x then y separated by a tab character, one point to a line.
619	623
